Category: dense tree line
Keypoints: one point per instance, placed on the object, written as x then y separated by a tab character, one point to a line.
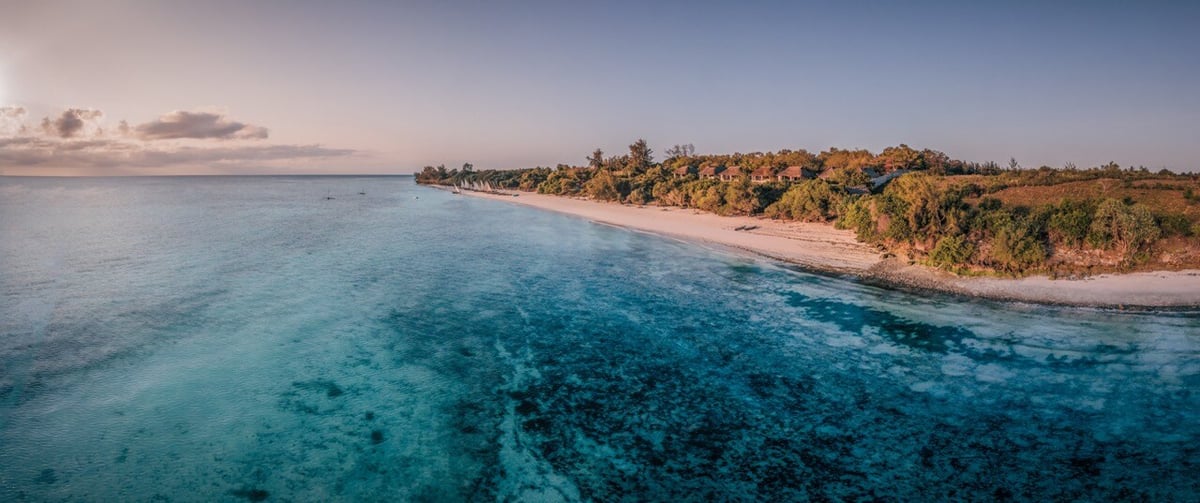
928	214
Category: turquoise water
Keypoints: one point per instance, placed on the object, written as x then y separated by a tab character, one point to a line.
246	339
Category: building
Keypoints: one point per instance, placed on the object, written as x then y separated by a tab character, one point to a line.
763	174
731	173
794	174
711	171
683	171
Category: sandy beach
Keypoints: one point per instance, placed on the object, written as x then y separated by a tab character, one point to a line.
821	247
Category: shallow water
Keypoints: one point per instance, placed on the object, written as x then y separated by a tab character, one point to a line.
245	339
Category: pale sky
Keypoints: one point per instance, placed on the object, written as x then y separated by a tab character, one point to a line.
388	87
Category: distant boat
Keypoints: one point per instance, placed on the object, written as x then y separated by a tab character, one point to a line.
362	193
329	197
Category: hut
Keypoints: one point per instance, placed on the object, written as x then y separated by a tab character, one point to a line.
794	174
683	171
731	173
711	171
763	174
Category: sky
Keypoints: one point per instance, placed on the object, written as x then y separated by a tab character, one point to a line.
235	87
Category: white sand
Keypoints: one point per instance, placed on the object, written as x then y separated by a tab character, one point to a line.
822	247
1163	288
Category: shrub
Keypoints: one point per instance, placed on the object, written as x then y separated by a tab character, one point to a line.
1015	249
849	177
1174	224
989	204
604	187
711	199
638	197
1129	229
742	197
1069	222
859	217
952	251
810	200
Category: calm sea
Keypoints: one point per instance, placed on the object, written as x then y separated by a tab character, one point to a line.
250	339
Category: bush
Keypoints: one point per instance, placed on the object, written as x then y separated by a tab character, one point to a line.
711	199
1015	249
952	251
849	177
604	187
859	218
810	200
1129	229
741	198
638	197
989	204
1175	225
1069	222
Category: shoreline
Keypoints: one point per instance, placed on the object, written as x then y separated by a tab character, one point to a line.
820	247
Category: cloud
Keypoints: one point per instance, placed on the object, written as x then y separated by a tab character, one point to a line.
75	139
101	152
12	120
16	112
72	122
182	124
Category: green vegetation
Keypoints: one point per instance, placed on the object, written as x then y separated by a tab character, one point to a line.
961	216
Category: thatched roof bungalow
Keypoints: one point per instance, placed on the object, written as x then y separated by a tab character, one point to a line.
794	174
763	174
731	173
711	171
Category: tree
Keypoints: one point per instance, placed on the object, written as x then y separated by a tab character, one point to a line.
596	161
680	151
468	167
845	159
849	177
640	155
429	174
938	162
1013	164
899	157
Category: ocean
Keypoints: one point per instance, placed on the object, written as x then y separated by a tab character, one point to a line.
290	339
